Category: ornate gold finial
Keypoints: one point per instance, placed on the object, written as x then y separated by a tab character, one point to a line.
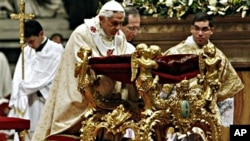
143	60
86	77
21	16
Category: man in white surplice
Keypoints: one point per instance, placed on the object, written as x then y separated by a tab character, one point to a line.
65	105
41	58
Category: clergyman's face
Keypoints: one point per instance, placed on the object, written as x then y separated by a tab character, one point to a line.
131	29
201	32
35	41
113	24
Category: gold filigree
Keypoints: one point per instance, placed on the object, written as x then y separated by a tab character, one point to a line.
187	113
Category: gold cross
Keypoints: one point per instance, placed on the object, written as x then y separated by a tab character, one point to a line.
21	16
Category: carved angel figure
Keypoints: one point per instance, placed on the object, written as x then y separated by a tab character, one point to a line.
142	62
86	77
210	74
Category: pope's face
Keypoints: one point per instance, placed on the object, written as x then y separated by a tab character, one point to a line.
113	24
201	32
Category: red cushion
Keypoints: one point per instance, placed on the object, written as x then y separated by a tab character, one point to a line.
62	137
172	68
8	123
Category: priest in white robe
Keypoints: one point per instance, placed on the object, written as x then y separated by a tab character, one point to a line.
41	58
65	105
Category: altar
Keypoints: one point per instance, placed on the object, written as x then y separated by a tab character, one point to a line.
150	118
231	38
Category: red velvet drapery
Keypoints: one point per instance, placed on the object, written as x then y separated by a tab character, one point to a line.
172	68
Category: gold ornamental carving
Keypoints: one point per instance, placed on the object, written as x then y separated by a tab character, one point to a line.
189	112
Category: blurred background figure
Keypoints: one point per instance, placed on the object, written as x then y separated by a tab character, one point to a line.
5	77
5	84
78	10
57	37
5	8
5	90
42	8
